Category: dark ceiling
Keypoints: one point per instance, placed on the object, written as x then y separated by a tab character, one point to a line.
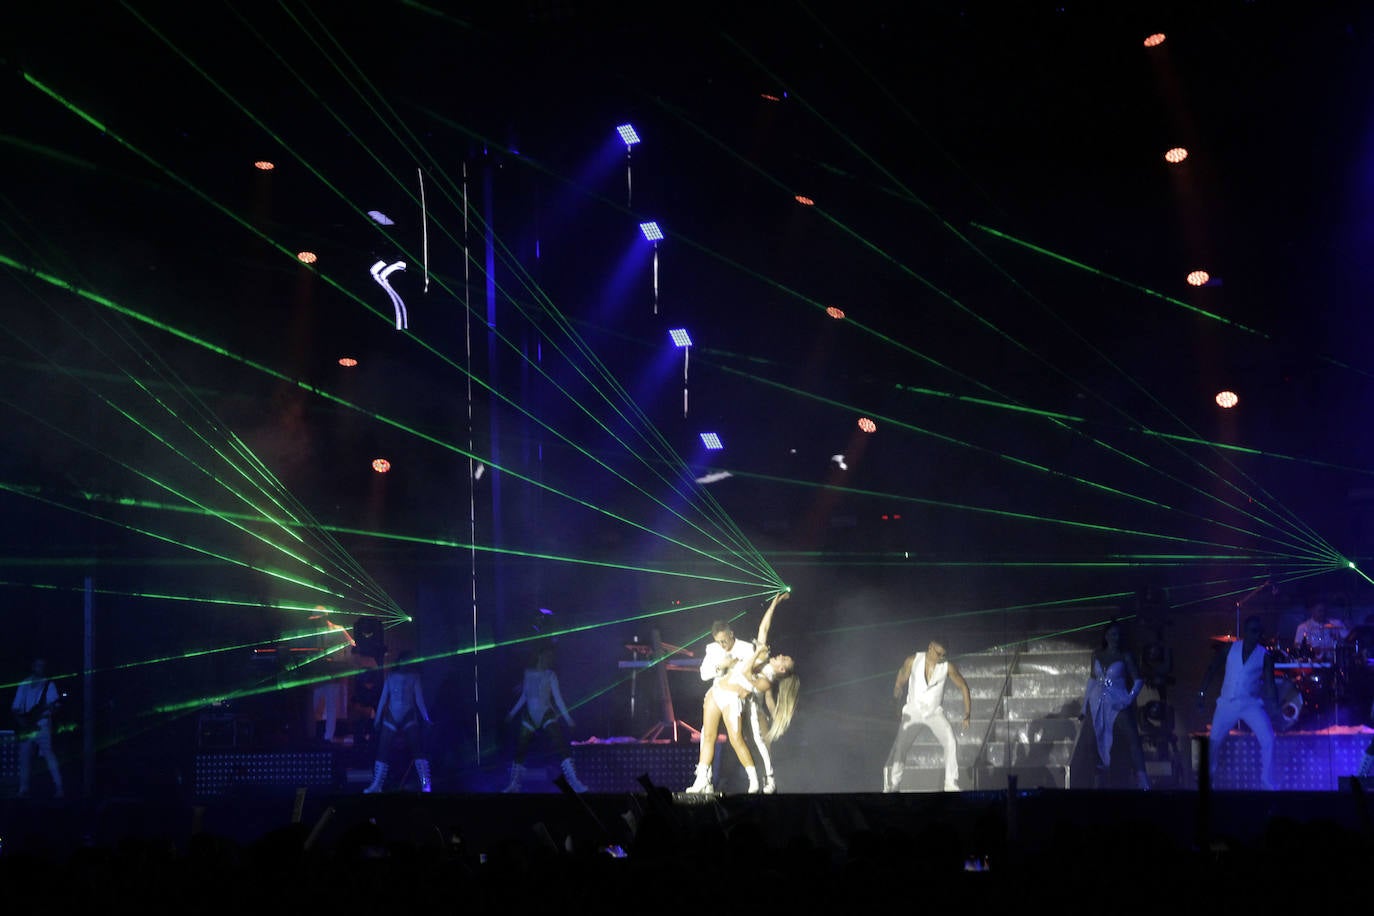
1030	407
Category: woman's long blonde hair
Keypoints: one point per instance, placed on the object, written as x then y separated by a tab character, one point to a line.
785	706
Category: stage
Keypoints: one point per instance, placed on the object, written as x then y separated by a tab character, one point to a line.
1304	761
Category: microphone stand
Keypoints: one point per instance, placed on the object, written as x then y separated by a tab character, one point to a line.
1241	602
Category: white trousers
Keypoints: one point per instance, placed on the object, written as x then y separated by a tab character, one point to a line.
41	741
906	736
1249	710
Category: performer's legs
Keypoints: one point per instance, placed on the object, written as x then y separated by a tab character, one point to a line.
324	703
554	731
414	739
735	732
1087	758
710	728
1258	720
1129	736
1224	718
896	758
944	733
382	764
523	740
557	741
415	742
331	711
756	730
45	751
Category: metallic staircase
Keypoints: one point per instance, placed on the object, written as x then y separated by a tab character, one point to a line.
1024	720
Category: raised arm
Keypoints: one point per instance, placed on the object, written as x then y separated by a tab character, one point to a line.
767	620
519	703
1133	672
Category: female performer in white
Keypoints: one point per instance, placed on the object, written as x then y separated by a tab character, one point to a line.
1109	702
400	710
738	671
543	706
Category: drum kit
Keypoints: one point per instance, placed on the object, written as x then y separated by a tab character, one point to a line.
1317	688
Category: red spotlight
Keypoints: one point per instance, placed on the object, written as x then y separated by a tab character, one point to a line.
805	201
834	312
1177	154
867	425
264	165
307	257
1155	40
381	465
770	97
1198	278
1227	399
347	362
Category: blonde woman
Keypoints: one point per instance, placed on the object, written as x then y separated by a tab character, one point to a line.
741	673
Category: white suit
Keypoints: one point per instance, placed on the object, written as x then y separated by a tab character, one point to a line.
923	708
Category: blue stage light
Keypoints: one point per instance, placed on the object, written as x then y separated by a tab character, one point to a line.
651	231
627	133
680	337
712	442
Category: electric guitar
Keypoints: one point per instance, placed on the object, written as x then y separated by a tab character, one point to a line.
28	721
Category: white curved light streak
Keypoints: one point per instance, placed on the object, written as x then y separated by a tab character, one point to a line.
380	271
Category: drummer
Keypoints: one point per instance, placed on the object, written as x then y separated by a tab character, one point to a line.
1319	634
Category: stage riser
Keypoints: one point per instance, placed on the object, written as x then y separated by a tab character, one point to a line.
221	773
9	756
617	767
1303	762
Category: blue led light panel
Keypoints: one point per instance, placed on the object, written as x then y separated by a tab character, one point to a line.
627	133
651	231
712	442
680	337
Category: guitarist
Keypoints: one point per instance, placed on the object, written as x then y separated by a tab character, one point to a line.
34	702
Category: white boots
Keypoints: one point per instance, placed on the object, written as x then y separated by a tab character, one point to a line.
422	768
702	786
517	776
571	776
769	786
379	771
